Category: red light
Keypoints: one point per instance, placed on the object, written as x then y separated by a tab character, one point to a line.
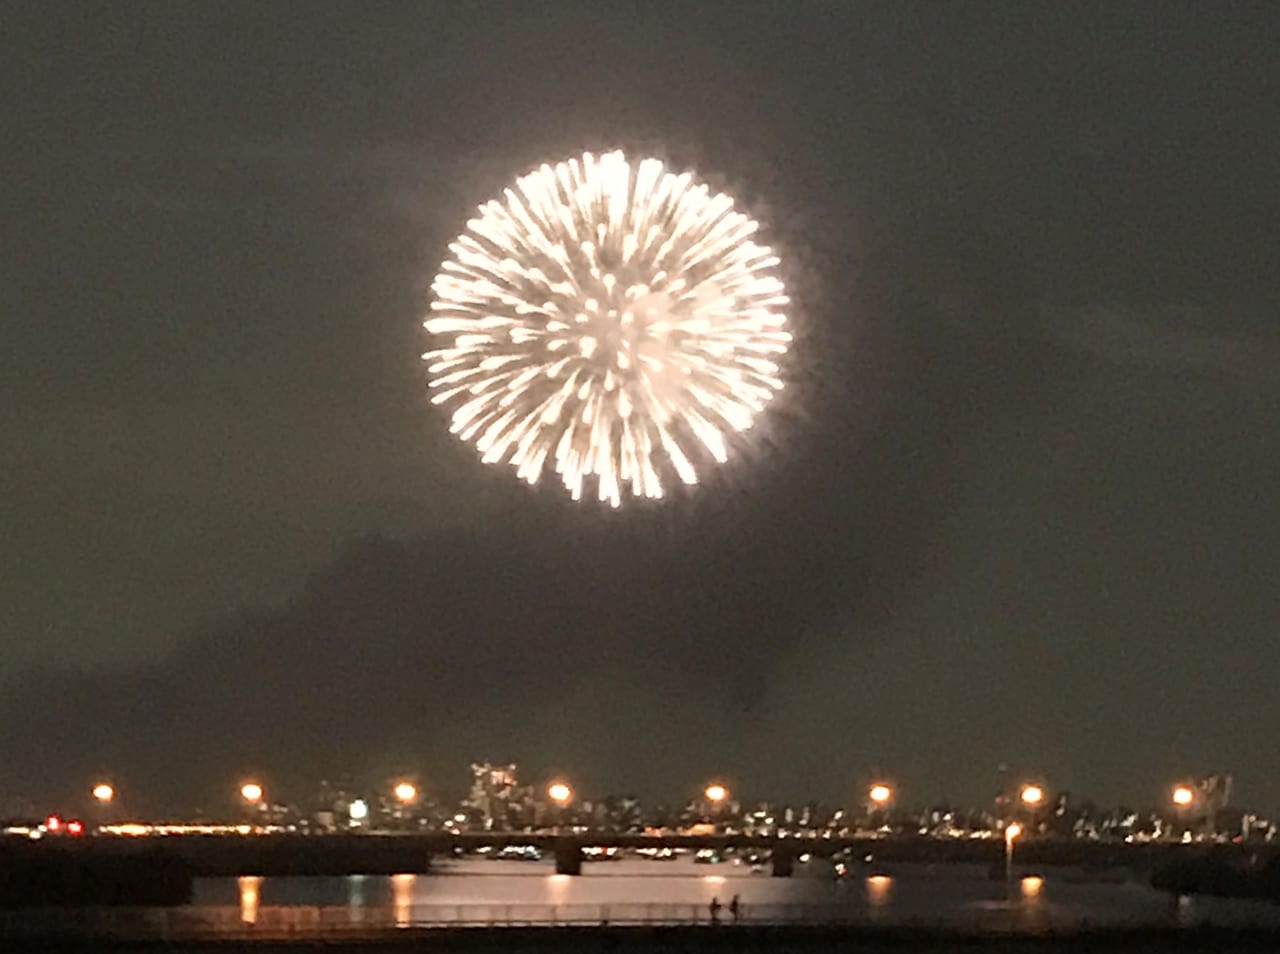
53	823
75	827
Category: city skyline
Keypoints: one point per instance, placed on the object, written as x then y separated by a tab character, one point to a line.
1014	503
500	801
506	798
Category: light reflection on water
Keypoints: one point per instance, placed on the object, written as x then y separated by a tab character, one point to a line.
878	889
356	891
249	888
402	897
904	893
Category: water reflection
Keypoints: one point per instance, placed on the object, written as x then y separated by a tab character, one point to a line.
879	888
355	891
249	887
679	889
402	898
1185	911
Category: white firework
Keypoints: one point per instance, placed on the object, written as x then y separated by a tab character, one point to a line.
607	320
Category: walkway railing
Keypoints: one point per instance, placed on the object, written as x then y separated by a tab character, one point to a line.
206	922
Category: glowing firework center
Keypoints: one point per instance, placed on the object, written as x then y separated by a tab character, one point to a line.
607	320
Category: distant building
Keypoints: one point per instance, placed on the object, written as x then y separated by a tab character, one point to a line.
331	804
623	813
496	800
1216	792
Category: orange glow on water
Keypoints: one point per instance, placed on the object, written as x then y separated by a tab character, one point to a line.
879	887
249	885
402	898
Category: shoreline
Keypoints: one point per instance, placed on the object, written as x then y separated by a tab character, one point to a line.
737	938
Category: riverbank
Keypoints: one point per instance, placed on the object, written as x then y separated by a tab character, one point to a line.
738	939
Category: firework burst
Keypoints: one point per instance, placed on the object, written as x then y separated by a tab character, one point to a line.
608	321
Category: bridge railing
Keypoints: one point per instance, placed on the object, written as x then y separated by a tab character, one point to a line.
268	921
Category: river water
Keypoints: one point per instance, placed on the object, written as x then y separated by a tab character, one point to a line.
474	888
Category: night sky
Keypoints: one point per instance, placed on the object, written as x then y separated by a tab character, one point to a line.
1017	504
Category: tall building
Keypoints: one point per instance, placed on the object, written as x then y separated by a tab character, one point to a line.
1213	795
1216	792
495	796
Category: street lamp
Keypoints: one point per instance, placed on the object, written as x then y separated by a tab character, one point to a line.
251	792
561	793
1184	800
103	793
406	792
1032	795
716	793
879	795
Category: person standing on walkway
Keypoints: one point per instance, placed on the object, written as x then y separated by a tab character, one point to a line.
735	906
715	910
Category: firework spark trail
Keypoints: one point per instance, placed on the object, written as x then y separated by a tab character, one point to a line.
610	320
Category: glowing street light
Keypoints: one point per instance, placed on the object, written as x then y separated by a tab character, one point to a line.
1183	796
103	793
561	793
1032	795
716	793
251	792
405	792
880	794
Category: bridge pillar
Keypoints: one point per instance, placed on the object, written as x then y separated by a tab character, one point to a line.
784	859
568	856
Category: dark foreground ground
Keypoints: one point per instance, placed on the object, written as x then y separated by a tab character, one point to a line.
695	940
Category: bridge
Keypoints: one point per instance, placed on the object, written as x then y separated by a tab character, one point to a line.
406	853
782	853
